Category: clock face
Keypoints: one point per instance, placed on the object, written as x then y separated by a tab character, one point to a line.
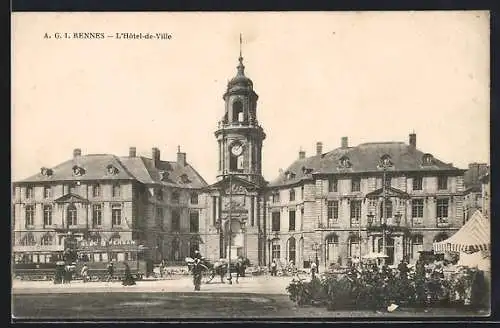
237	149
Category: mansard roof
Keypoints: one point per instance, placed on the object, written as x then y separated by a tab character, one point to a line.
141	169
364	158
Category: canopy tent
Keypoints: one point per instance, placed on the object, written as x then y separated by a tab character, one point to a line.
472	237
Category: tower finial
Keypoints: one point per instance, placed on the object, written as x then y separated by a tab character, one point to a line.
241	42
178	148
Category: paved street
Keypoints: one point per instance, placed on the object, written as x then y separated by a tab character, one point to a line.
257	297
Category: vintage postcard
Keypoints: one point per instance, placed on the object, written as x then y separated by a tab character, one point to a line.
265	165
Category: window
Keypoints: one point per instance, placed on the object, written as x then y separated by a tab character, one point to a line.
29	192
354	246
291	220
96	190
355	212
332	249
176	250
175	197
116	215
417	208
276	197
176	221
442	183
237	111
72	215
30	215
194	198
159	217
47	191
332	185
276	221
276	249
442	208
46	240
387	181
194	222
356	184
417	183
159	194
292	195
417	246
387	212
97	215
47	215
116	190
28	240
72	189
292	249
333	211
442	211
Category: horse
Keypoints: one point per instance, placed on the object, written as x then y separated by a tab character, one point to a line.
219	268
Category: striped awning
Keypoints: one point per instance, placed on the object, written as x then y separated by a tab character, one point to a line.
472	237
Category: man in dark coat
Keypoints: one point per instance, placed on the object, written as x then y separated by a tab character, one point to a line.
111	271
128	280
197	270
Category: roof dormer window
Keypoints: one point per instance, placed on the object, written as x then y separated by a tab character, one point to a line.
345	162
289	175
78	171
427	159
306	170
184	178
163	175
46	171
112	170
385	161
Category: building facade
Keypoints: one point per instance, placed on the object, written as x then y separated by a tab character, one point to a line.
473	194
332	207
111	199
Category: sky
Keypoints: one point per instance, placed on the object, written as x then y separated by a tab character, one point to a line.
370	76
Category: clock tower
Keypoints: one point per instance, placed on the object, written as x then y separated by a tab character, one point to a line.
239	135
237	206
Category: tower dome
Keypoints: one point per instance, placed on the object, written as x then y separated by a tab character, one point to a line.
240	80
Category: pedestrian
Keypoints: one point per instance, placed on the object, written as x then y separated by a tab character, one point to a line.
128	280
274	268
111	270
197	270
85	273
313	270
239	268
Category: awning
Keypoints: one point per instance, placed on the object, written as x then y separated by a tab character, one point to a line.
472	237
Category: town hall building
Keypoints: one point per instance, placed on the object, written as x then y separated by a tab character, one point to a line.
332	207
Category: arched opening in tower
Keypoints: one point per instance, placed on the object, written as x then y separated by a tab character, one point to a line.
237	111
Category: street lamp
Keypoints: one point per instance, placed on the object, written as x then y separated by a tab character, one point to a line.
229	278
397	218
316	247
370	219
385	164
269	241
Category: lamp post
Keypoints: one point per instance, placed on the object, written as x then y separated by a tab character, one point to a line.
229	280
269	241
316	247
369	221
386	163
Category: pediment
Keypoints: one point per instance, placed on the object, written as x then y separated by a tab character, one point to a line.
236	186
71	198
389	192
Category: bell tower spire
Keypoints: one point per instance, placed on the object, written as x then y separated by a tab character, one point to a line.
239	134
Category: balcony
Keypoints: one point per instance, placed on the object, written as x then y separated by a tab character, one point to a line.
391	224
442	222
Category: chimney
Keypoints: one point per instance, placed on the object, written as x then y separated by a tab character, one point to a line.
181	157
155	156
344	142
413	140
77	152
132	152
319	148
302	154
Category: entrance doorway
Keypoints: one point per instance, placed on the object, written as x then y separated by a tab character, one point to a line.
237	240
389	249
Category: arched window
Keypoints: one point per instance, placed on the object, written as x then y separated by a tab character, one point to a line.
417	245
96	190
354	246
28	240
292	250
47	215
46	240
176	250
388	209
292	195
332	249
116	190
440	237
71	215
275	250
194	198
237	111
